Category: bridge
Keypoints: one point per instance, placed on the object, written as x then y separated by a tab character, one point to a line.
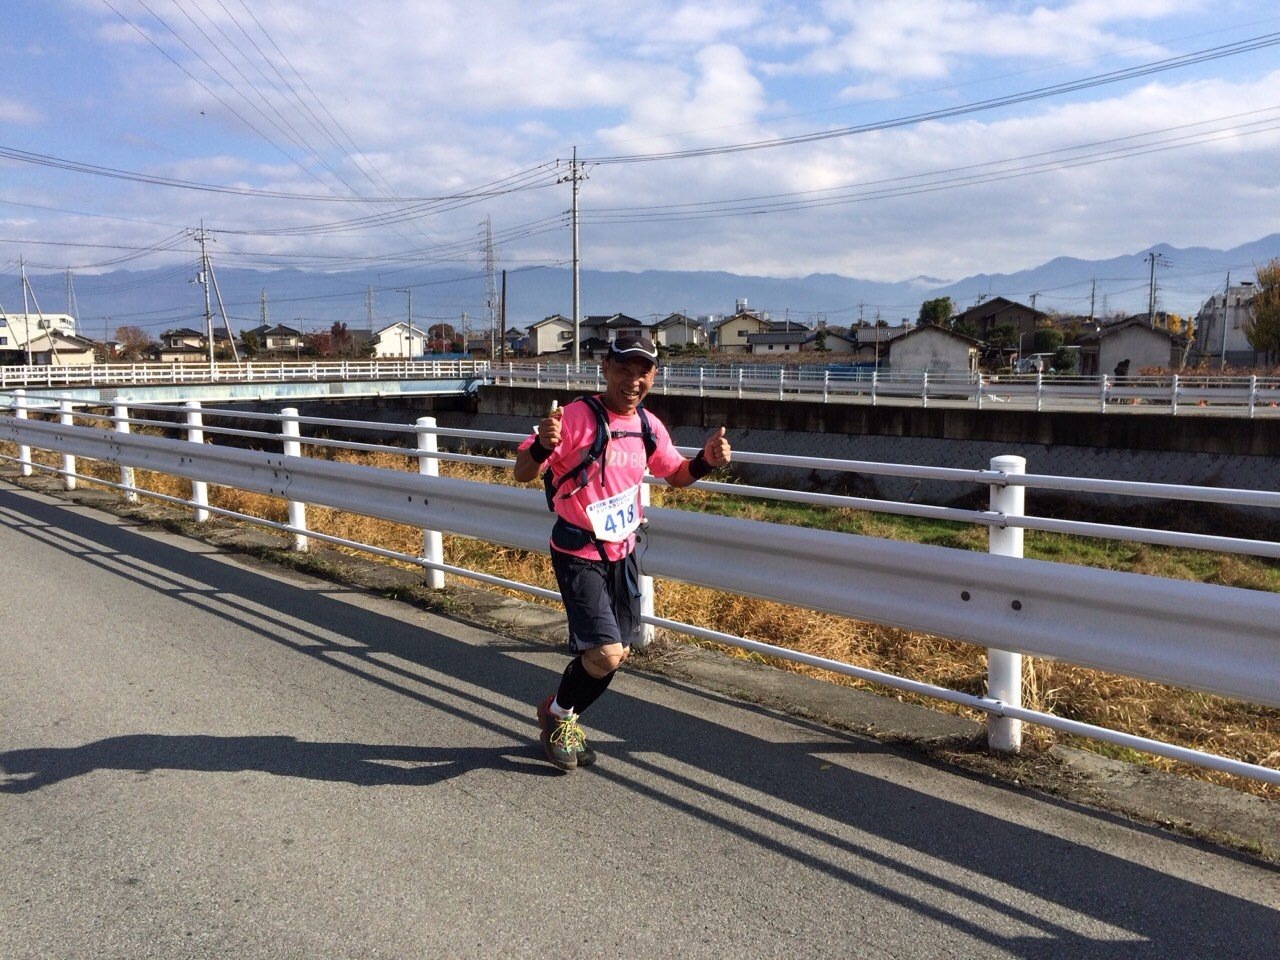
204	755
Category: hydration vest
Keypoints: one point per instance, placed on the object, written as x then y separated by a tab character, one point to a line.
581	473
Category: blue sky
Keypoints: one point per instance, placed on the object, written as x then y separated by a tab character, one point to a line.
316	122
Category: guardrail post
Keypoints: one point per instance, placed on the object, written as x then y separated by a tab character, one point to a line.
195	434
875	381
68	460
663	376
292	447
645	584
429	466
1253	394
978	396
781	376
1039	390
826	384
537	375
1004	669
1173	397
739	382
24	450
1105	396
121	412
702	390
924	389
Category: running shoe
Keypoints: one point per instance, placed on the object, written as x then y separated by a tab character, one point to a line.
559	734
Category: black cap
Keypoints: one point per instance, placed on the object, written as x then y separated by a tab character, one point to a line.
625	348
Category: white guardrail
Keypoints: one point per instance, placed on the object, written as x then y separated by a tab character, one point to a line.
1218	639
140	374
1176	394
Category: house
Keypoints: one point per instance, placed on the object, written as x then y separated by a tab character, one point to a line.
934	350
871	342
834	341
1132	340
1220	326
55	348
275	337
399	341
553	334
983	317
16	329
730	335
678	330
778	341
183	345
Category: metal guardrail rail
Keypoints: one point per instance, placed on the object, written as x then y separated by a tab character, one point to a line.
1174	394
1199	636
139	374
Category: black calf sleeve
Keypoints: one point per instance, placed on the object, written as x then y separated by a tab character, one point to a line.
579	689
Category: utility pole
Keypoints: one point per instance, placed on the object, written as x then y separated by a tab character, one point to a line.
368	307
408	292
26	309
1093	297
203	278
575	177
1151	296
262	307
1226	296
491	291
502	355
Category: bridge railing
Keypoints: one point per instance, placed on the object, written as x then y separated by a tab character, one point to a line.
1175	394
108	374
1198	636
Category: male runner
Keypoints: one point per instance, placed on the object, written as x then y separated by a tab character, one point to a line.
597	508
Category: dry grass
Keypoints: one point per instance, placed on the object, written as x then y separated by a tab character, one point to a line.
1224	727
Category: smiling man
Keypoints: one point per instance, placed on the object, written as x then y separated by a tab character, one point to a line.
593	455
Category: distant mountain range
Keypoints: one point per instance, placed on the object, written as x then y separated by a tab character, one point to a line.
167	298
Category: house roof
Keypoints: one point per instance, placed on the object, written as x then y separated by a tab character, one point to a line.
928	327
675	320
779	336
554	318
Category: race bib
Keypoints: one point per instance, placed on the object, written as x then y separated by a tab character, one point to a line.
616	518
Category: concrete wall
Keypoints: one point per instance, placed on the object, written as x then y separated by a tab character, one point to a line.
1117	446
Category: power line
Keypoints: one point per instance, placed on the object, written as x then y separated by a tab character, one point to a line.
1073	86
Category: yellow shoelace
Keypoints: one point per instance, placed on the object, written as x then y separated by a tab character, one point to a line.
566	733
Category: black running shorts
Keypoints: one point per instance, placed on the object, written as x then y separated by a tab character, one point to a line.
601	600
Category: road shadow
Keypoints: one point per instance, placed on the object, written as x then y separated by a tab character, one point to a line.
782	797
365	765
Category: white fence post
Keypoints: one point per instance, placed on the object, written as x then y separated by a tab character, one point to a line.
1004	669
645	584
292	447
68	460
1253	395
924	389
1173	397
429	466
875	381
740	371
24	450
1106	390
195	434
1039	390
121	411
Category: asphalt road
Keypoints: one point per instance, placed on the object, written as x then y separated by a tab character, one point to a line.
204	758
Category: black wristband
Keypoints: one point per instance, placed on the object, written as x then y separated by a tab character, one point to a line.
538	452
698	466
